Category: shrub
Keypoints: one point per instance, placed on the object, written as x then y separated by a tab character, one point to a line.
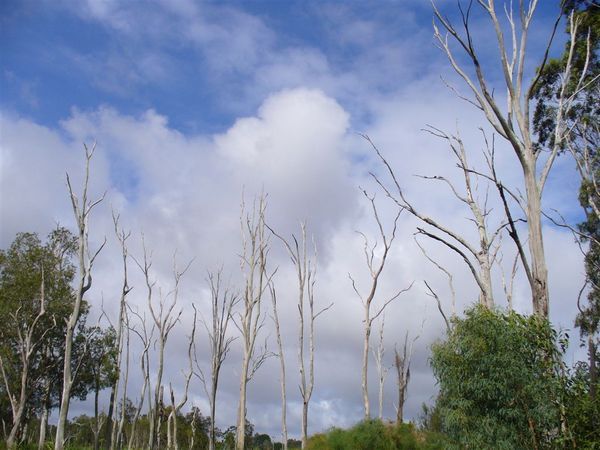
498	381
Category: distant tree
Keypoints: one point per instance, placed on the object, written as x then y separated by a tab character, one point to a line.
262	442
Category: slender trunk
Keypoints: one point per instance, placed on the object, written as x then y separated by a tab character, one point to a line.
176	444
193	425
11	442
593	367
240	438
213	403
109	421
96	418
381	381
284	432
153	438
365	385
44	417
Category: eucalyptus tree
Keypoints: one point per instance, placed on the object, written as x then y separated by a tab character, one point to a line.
35	293
82	208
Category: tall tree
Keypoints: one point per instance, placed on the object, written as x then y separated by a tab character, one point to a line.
250	320
305	267
222	303
113	430
375	267
513	122
82	209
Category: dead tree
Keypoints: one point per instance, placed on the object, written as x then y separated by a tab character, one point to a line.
306	269
375	270
165	318
382	370
478	257
176	407
146	339
82	209
29	338
222	303
402	364
281	357
513	123
250	320
113	432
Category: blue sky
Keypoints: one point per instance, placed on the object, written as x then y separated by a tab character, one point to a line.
190	102
140	55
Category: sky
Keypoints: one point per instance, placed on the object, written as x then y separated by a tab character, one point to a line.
193	103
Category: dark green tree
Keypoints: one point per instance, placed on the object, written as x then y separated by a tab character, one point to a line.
499	381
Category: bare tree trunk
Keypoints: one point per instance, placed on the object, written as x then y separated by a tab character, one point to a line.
112	431
44	416
375	271
82	211
146	338
222	304
96	429
284	431
253	264
118	435
378	354
402	365
306	269
164	319
175	408
593	367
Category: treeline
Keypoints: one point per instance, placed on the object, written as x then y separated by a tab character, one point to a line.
193	433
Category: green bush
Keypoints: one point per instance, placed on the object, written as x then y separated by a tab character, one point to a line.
499	382
375	435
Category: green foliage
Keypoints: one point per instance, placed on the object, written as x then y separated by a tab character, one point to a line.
375	435
23	266
583	411
499	386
